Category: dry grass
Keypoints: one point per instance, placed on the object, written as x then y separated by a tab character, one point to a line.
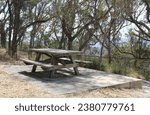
4	56
10	87
6	59
111	93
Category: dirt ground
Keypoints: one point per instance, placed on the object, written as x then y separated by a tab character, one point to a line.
12	87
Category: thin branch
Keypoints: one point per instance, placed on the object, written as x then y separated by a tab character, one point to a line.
35	22
123	51
141	37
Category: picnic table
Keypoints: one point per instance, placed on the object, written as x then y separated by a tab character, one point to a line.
55	56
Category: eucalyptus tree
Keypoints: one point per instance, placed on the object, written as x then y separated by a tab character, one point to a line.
21	18
37	11
91	10
3	20
74	17
137	13
107	25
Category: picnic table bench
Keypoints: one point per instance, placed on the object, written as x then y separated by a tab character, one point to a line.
76	60
55	63
48	66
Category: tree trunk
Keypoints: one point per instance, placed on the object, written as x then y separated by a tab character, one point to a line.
10	28
31	46
3	40
109	56
31	42
101	57
62	42
109	51
3	35
16	26
14	49
9	42
70	46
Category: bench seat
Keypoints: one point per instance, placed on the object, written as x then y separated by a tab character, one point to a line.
77	61
48	66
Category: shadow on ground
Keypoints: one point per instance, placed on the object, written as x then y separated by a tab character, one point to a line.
44	76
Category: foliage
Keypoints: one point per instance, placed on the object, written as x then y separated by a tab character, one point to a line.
24	47
122	65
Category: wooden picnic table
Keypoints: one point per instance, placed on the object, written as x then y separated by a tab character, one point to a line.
55	56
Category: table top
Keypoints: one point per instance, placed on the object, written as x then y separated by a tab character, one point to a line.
56	51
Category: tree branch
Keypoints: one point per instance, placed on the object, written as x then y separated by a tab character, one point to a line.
35	22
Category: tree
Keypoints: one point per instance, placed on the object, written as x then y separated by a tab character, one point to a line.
3	35
3	19
74	19
19	22
139	16
109	28
17	6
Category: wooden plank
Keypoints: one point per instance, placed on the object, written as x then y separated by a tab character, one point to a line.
38	55
82	61
77	61
49	66
75	68
55	67
36	63
58	52
65	59
53	62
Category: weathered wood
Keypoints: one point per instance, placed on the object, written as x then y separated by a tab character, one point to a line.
82	61
75	68
58	52
54	55
31	62
49	66
53	62
38	55
77	61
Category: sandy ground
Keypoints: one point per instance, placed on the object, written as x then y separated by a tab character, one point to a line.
17	88
13	87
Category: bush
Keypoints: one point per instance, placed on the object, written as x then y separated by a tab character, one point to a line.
24	47
145	72
121	65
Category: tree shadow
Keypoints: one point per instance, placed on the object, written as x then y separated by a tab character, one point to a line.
44	76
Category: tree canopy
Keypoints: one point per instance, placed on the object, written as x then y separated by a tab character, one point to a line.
76	24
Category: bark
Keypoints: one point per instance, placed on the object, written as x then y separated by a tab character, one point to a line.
101	56
17	8
62	42
3	36
70	46
32	35
10	28
86	38
3	40
109	51
109	56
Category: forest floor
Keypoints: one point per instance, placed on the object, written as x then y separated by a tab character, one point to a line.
13	87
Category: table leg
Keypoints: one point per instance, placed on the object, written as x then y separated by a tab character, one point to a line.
75	68
53	62
38	55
